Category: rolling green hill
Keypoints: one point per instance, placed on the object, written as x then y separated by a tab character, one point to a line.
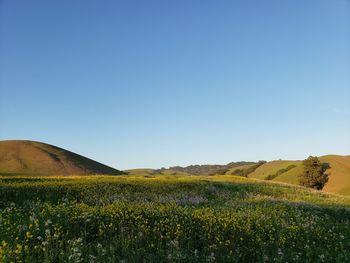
19	157
286	171
233	171
167	215
204	169
339	172
270	168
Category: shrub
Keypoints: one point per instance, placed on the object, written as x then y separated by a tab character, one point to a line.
279	172
247	171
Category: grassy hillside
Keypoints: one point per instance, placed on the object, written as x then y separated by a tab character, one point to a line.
285	171
205	169
291	176
339	179
169	219
270	168
232	171
29	158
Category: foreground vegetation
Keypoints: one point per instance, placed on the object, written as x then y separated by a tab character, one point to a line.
169	219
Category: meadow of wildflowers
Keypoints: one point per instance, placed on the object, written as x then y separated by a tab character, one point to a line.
169	219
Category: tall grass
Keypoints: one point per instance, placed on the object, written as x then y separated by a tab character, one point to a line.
169	219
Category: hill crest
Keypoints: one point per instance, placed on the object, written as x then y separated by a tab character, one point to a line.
23	157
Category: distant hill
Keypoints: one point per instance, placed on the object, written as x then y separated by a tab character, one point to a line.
204	169
34	158
286	171
339	172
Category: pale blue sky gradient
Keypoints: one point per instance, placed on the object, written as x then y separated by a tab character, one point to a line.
159	83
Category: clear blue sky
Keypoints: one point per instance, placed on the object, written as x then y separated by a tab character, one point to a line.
159	83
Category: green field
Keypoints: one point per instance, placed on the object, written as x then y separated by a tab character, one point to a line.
169	219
